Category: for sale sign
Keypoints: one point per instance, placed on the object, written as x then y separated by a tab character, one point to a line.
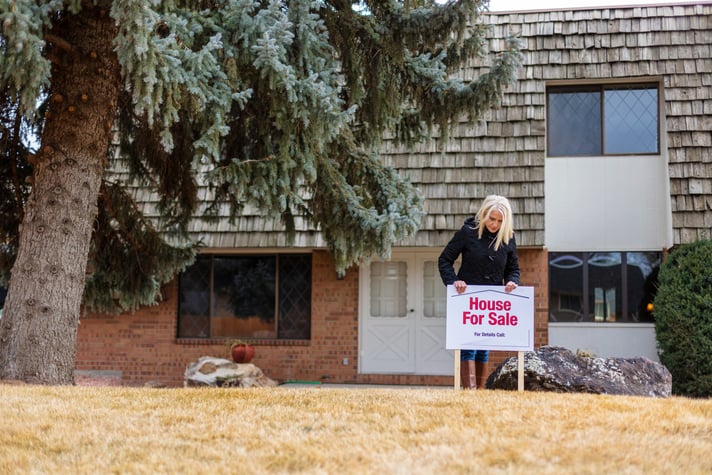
486	317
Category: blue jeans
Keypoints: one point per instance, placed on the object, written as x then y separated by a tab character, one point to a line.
480	356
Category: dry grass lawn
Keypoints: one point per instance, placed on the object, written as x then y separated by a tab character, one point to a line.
104	430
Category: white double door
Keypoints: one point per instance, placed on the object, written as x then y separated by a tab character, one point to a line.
402	316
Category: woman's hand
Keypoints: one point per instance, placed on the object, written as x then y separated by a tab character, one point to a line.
510	286
460	286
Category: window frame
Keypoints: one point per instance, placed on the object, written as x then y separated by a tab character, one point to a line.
601	88
278	284
587	314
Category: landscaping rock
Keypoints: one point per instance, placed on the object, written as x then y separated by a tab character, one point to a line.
219	372
557	369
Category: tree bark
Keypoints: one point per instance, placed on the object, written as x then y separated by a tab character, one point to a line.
39	325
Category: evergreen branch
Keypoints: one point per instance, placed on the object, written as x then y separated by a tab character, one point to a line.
116	218
169	175
15	176
364	211
441	100
129	256
23	69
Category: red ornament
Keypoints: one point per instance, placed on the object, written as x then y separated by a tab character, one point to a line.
242	353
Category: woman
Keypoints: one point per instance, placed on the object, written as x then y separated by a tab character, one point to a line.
489	257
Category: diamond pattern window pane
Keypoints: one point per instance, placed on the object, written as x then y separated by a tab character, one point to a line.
602	120
574	123
194	301
243	287
631	121
246	296
295	297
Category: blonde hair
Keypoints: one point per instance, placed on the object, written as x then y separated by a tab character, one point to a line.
501	204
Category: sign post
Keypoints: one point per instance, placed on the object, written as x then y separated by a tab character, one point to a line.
485	317
456	379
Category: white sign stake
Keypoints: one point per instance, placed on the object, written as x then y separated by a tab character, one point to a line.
456	379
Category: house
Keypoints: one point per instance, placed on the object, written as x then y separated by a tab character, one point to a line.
604	147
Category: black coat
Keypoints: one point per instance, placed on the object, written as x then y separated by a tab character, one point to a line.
481	264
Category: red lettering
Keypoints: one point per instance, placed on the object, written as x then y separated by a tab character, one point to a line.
503	320
472	318
477	304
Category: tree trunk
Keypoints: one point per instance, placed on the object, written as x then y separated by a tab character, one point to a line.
38	328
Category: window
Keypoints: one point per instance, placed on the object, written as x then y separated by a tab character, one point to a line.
434	295
602	286
389	294
596	120
249	296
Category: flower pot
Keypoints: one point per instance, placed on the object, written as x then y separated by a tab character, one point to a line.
242	353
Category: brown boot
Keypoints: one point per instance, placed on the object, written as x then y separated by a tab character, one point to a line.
467	374
482	375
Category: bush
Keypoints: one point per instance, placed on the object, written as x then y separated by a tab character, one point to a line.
683	318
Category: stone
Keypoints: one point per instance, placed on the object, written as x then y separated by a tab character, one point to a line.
220	372
556	369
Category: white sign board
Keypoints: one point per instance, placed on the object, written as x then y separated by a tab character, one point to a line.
485	317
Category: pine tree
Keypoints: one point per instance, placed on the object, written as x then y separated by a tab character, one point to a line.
280	104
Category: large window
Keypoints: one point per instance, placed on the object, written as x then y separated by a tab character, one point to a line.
596	120
602	286
248	296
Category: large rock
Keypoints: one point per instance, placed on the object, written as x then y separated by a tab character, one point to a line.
557	369
219	372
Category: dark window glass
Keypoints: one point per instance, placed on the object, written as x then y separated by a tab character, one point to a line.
194	300
602	286
566	272
246	296
605	286
294	297
642	282
602	120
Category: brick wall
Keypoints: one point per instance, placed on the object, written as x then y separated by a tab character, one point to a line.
142	347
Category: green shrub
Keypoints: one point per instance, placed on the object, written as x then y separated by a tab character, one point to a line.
683	318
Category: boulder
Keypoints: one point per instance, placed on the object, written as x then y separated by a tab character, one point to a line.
557	369
220	372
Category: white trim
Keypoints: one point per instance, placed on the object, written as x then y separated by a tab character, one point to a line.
607	340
